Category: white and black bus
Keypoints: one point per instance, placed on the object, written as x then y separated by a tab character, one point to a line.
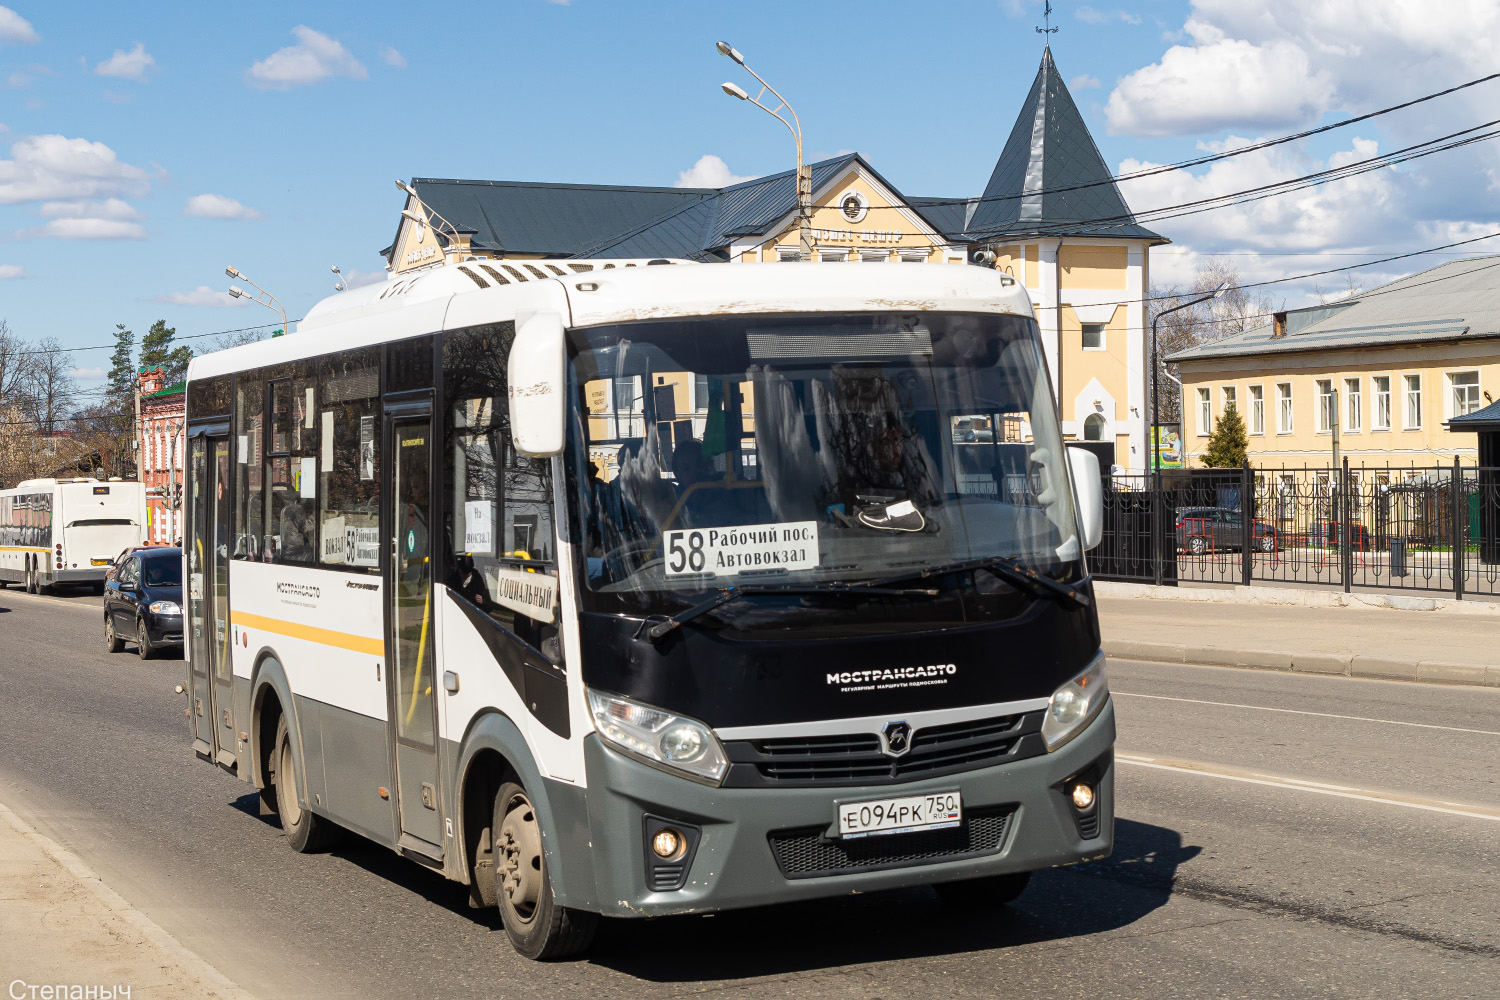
67	531
639	590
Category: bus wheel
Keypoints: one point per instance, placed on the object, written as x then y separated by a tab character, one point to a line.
977	893
537	927
112	641
30	578
306	832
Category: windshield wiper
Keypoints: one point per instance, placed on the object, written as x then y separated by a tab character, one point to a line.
661	627
1002	566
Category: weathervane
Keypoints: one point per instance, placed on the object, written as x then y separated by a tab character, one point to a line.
1047	20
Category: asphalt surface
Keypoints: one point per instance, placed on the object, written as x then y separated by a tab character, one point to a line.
1278	836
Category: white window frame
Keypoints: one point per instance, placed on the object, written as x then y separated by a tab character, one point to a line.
833	255
1354	402
1455	408
1083	329
915	256
1407	394
1205	411
1228	394
788	254
874	256
1285	409
1382	403
1257	410
1327	405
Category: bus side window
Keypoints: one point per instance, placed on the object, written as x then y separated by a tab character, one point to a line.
249	440
292	469
349	459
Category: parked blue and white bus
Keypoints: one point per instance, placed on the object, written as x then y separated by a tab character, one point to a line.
636	590
56	532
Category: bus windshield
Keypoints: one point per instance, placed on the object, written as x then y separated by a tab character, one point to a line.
810	450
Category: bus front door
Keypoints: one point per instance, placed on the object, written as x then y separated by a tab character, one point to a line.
412	631
211	674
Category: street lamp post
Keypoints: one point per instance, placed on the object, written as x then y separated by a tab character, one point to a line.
1154	438
264	297
804	174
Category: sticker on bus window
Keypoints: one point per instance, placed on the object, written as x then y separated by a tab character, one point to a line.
743	548
335	542
362	546
531	594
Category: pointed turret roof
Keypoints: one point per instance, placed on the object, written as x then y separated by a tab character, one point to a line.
1050	179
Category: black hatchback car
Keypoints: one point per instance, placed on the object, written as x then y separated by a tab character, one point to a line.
143	602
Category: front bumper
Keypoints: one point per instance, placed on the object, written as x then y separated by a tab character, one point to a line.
734	864
165	630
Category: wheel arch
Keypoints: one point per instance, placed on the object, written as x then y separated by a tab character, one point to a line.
268	681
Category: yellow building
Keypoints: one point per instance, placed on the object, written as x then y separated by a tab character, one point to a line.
1384	370
1050	215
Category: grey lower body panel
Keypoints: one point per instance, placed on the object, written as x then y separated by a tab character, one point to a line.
765	845
93	574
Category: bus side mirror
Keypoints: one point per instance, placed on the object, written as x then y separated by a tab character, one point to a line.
537	383
1088	493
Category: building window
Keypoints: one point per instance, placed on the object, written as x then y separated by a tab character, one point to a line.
1229	397
1326	412
1465	392
1283	407
1382	390
914	256
1353	410
1205	413
1257	409
1093	427
874	257
1413	402
700	393
785	255
1093	336
833	255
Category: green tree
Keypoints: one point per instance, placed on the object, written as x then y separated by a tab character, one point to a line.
157	350
122	366
1227	448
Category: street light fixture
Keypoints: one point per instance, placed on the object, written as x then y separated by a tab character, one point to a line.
1154	441
264	297
804	174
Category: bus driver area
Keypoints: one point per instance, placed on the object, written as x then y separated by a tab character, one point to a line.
607	598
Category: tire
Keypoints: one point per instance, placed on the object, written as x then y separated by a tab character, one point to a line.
1197	546
982	893
1267	545
31	587
143	647
307	832
112	641
537	927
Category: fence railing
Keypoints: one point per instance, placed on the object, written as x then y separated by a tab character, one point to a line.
1420	528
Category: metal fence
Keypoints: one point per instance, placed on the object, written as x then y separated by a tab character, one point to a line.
1419	528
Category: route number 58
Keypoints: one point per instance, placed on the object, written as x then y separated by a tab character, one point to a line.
685	552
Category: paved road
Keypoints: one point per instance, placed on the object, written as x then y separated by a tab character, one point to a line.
1279	836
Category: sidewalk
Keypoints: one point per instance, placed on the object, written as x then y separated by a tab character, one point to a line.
1444	645
66	933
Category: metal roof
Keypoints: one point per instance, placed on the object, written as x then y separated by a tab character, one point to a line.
1487	419
1459	300
559	219
1049	148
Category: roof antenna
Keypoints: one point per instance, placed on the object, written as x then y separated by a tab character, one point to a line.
1047	20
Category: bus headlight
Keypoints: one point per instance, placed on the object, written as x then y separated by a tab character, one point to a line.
672	742
1074	705
165	608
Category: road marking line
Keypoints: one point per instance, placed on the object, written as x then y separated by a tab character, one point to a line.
1298	711
1296	785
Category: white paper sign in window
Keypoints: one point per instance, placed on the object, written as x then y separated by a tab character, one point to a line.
479	526
531	594
737	549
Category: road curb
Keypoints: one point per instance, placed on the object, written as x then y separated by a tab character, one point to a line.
1335	664
1291	597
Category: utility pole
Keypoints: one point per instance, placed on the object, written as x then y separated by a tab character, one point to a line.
804	173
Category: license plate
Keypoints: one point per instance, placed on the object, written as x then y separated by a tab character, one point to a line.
98	562
902	814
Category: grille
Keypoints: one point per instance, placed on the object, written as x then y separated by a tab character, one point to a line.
1088	826
667	878
857	757
807	853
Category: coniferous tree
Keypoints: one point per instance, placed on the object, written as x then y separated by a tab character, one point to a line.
1228	447
157	349
122	367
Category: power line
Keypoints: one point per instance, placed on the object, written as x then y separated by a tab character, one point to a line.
190	336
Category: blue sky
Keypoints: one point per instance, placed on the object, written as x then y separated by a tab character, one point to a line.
293	119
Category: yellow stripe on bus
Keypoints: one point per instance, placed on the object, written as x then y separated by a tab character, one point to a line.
323	636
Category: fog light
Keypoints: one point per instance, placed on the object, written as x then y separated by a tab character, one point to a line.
1083	796
666	843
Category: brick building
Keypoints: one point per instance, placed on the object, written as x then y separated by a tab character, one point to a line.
163	411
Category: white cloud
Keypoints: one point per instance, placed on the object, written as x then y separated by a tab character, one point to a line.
709	171
16	29
218	206
8	271
132	65
112	208
316	57
561	3
89	229
201	296
44	167
1090	15
392	58
1084	82
87	374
